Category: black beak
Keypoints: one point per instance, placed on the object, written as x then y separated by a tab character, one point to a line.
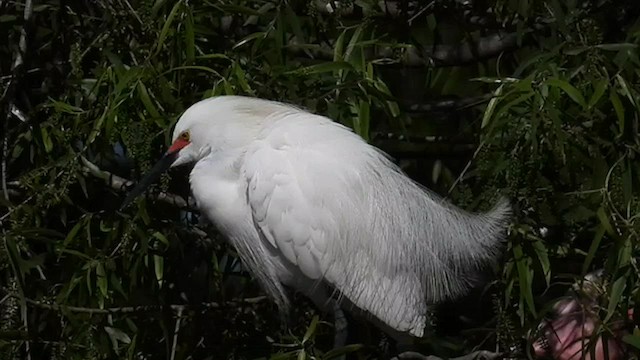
152	176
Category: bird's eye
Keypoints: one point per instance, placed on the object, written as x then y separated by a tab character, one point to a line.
185	136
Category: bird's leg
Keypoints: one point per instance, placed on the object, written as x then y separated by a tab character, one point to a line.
340	326
476	355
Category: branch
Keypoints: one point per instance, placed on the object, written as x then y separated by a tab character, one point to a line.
137	309
176	330
121	184
436	55
449	104
462	54
388	8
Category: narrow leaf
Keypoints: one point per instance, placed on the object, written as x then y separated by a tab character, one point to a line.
593	248
615	295
524	278
604	220
101	279
364	119
491	107
167	24
618	108
143	93
72	234
543	260
598	91
158	265
633	340
189	36
570	90
311	329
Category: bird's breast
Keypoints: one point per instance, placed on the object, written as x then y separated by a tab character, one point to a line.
219	192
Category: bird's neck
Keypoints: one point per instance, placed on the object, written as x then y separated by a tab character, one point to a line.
220	164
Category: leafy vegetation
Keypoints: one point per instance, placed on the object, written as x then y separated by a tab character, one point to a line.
535	99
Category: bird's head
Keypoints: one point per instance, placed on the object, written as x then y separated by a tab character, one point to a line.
214	125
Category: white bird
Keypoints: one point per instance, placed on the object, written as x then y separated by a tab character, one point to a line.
309	204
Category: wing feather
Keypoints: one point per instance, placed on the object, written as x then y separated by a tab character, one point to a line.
306	202
340	211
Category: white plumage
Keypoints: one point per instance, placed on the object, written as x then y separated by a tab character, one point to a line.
308	203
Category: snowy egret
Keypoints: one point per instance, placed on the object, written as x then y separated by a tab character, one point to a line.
309	204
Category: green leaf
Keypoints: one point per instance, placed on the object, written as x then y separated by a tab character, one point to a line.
615	295
158	266
524	278
488	112
618	108
506	107
192	67
143	93
14	258
352	43
625	250
167	24
161	237
593	248
7	18
617	47
573	93
62	107
156	7
393	107
338	47
363	120
543	260
97	125
633	340
436	171
89	283
598	90
72	234
46	140
189	36
311	329
626	90
116	284
293	21
101	279
213	56
604	220
249	38
75	253
117	335
241	78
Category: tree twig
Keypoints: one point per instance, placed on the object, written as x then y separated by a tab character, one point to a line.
176	330
137	309
440	55
121	184
449	104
